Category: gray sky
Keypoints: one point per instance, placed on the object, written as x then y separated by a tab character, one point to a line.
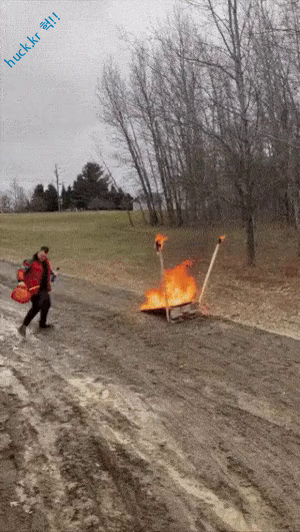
48	105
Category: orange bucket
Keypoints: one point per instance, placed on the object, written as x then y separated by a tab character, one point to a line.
21	294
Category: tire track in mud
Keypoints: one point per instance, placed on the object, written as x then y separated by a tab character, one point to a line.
65	462
201	474
250	418
255	434
71	435
64	450
72	462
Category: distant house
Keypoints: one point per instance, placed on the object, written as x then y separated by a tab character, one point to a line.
5	203
140	202
105	204
101	204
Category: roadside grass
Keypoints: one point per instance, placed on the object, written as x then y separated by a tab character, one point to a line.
104	248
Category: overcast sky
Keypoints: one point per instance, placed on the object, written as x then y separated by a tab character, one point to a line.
48	105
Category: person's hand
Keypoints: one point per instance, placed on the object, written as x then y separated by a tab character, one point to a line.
54	275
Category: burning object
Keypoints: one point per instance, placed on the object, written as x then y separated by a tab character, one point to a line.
177	288
177	291
159	242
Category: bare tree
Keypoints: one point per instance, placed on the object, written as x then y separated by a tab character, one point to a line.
116	101
211	124
19	200
278	48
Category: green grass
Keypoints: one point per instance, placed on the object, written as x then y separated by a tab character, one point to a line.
102	246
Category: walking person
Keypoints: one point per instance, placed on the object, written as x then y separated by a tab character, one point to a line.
37	275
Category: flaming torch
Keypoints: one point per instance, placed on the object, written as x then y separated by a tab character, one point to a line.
221	238
159	244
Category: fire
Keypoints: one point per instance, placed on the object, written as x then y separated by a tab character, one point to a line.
159	241
179	286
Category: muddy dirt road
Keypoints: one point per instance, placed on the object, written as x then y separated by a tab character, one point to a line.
119	422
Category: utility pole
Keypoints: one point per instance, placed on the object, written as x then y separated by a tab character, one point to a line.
57	187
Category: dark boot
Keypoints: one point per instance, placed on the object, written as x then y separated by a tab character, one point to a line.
22	330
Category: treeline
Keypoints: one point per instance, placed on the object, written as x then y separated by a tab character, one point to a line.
209	117
91	190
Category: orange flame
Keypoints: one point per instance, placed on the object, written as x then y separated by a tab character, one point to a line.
159	241
180	287
221	238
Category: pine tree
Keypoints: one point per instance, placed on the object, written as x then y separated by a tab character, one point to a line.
90	184
50	197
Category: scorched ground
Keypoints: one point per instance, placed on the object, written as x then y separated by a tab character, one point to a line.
119	422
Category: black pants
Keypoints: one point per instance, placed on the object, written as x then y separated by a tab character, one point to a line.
41	302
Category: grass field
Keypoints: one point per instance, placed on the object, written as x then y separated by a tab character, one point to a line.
103	247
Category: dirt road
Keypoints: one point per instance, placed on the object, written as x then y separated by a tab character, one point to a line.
119	422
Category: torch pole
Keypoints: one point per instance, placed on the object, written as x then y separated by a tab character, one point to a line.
210	269
162	269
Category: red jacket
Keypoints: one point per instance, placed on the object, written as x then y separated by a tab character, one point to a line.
31	274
